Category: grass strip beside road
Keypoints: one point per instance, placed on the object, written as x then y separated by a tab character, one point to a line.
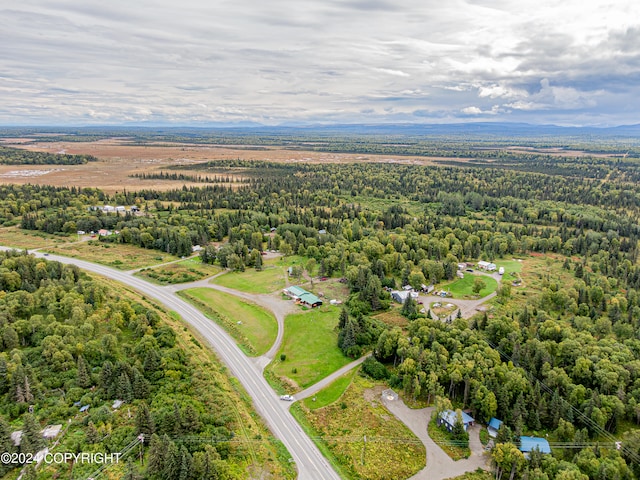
117	255
251	326
361	434
331	393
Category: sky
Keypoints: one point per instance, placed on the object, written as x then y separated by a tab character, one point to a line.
274	62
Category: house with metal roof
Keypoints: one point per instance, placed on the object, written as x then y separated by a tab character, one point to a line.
529	444
494	426
448	419
301	295
310	299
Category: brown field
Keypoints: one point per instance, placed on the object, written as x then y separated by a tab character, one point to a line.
119	160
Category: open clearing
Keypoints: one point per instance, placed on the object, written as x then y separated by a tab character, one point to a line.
121	256
391	450
311	347
251	326
268	280
29	239
119	160
188	270
463	287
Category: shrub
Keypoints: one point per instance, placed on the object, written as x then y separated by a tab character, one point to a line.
374	369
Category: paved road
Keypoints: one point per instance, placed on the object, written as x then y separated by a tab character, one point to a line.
273	303
309	461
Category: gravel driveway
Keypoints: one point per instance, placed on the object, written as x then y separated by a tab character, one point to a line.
439	464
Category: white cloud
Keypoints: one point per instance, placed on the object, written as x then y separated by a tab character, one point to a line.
74	62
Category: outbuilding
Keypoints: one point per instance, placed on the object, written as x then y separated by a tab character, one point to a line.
494	426
529	444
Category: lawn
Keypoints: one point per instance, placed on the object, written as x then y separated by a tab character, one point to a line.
311	347
188	270
331	393
510	266
463	287
251	281
29	239
391	450
118	255
254	328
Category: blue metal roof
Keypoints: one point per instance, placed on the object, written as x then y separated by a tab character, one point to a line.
495	423
528	444
450	416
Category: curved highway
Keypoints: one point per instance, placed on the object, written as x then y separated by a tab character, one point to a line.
309	461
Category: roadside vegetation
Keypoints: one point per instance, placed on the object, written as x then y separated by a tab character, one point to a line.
363	437
122	257
254	333
72	345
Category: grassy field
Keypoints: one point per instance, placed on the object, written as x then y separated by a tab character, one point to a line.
331	393
342	426
251	326
265	281
462	287
188	270
120	256
443	439
510	266
29	239
393	317
311	347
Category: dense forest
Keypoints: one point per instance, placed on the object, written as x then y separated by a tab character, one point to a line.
564	363
17	156
71	346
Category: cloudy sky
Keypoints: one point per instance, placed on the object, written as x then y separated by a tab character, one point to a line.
194	62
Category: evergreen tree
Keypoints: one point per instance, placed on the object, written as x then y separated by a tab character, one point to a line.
191	420
106	377
186	464
158	448
140	385
458	432
31	440
409	308
144	422
177	420
123	387
84	377
343	318
6	444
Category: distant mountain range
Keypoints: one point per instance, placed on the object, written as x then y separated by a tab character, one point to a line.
472	130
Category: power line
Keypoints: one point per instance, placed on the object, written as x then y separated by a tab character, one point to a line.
588	421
